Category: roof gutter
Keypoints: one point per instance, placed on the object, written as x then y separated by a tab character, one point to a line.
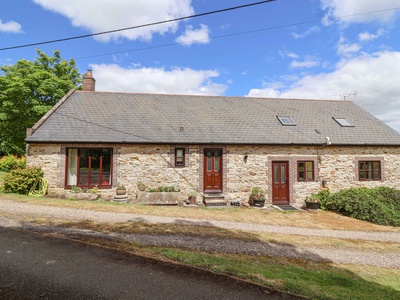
208	143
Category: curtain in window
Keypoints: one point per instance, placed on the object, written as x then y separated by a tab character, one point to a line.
72	164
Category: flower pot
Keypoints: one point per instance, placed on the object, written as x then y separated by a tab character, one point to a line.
120	191
258	203
312	205
192	200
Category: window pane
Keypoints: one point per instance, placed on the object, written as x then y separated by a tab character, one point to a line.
179	157
209	165
309	166
376	165
368	170
95	156
83	167
309	176
301	175
276	173
283	173
216	162
72	164
106	167
301	166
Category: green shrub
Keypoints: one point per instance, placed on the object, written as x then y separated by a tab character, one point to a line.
377	205
320	197
10	162
21	180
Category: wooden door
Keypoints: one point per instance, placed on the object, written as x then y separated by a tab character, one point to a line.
280	182
213	170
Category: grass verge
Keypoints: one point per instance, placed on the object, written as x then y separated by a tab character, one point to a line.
309	279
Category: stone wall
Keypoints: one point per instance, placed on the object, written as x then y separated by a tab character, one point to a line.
244	167
152	165
48	158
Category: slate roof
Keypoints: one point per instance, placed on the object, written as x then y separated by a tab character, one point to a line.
108	117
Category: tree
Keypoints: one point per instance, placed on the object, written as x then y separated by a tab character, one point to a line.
28	90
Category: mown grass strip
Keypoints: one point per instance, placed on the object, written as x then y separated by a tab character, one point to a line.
314	280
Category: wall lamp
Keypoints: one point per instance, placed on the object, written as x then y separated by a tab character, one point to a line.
245	157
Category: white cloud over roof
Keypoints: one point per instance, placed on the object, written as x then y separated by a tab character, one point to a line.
375	77
156	80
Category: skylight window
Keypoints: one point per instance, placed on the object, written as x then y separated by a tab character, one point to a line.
286	121
343	122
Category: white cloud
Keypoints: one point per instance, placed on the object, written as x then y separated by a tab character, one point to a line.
306	33
375	77
10	26
347	49
308	62
358	11
366	36
191	36
104	15
289	54
156	80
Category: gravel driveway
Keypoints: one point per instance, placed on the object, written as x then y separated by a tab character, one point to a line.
12	212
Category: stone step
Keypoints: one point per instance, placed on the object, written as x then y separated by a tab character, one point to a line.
121	198
214	200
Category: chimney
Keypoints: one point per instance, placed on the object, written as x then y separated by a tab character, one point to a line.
89	82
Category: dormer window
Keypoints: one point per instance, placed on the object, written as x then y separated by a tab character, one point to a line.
343	122
286	121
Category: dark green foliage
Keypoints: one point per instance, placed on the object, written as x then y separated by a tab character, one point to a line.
28	89
10	162
377	205
21	180
321	196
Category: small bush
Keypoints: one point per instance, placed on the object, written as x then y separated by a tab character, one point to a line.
10	162
377	205
21	180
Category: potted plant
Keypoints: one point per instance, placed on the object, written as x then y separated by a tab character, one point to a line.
312	202
192	196
141	186
121	190
257	197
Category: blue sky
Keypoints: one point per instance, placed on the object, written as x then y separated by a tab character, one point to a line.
313	49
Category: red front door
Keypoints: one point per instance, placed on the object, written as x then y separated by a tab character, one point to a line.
280	182
213	170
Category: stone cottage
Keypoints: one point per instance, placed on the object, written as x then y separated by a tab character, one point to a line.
218	146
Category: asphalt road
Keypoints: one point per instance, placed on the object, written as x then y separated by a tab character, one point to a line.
33	266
